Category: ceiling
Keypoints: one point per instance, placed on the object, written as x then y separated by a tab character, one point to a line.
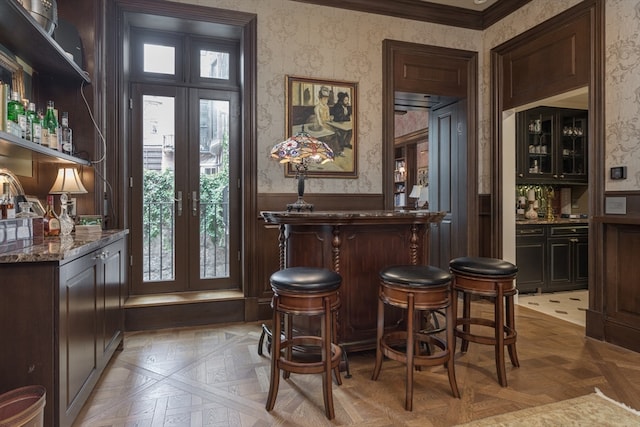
472	14
478	5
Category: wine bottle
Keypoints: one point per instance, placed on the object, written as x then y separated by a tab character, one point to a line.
51	221
8	207
50	127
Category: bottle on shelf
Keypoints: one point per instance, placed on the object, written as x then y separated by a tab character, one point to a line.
66	134
51	221
34	126
50	127
16	114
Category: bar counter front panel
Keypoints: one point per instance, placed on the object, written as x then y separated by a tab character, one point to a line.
356	244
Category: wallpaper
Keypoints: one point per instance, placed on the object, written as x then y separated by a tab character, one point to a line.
327	43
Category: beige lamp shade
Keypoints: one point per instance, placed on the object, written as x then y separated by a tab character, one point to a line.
415	191
68	181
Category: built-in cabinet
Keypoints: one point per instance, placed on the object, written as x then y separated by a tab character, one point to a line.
20	33
552	258
61	321
552	146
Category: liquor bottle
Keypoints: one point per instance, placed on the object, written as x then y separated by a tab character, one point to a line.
66	223
66	134
50	127
34	127
16	113
51	221
8	207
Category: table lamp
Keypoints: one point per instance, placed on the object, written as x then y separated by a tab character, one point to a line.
300	150
67	182
415	194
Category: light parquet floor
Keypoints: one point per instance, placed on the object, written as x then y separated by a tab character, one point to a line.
213	376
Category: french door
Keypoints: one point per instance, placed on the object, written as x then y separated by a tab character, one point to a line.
185	219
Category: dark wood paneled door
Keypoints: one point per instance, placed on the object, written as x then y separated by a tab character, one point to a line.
448	182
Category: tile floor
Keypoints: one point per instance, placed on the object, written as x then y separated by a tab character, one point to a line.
569	306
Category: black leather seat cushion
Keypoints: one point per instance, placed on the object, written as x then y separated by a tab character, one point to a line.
415	275
480	266
306	279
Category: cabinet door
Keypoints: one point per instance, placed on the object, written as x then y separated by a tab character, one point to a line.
538	144
572	149
581	264
530	258
77	361
110	297
560	267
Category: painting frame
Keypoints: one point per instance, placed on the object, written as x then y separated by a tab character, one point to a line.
304	97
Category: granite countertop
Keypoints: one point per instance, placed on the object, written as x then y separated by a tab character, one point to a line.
352	217
556	221
62	248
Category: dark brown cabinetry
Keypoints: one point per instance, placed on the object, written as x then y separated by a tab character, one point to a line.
552	258
61	322
531	242
20	33
552	146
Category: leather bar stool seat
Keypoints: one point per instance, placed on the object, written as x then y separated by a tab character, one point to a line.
417	289
492	279
305	291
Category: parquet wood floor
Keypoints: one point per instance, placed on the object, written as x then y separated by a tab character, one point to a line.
213	376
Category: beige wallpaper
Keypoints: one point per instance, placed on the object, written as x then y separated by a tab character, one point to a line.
334	44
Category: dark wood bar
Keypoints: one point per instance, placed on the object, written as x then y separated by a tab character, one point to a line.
356	244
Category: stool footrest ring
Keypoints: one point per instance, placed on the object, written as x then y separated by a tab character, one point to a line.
307	367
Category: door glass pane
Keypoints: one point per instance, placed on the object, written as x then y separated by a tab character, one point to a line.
214	65
158	208
159	59
214	188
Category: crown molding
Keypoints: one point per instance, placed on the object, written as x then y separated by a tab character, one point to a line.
429	12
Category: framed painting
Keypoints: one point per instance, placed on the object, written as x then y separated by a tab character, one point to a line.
326	110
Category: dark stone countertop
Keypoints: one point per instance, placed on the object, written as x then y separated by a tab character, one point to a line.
62	248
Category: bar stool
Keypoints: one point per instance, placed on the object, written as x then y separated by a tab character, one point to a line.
415	288
305	291
493	279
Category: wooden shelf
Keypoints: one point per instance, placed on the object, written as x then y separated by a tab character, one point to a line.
12	146
23	36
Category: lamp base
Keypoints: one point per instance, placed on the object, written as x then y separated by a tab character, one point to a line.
300	205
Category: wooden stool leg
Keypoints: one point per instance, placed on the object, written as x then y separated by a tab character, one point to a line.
499	334
466	314
274	381
511	323
451	348
334	334
326	359
408	402
288	325
379	333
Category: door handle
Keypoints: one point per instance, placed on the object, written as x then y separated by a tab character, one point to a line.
178	201
194	203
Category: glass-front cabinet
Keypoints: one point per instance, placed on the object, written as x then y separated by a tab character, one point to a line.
552	146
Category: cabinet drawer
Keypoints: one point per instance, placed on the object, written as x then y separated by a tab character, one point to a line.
530	231
569	230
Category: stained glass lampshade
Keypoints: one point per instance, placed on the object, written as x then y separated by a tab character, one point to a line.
300	150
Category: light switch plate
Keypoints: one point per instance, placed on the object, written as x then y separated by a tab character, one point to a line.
615	205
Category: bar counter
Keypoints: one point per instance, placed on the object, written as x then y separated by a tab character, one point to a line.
356	244
62	248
